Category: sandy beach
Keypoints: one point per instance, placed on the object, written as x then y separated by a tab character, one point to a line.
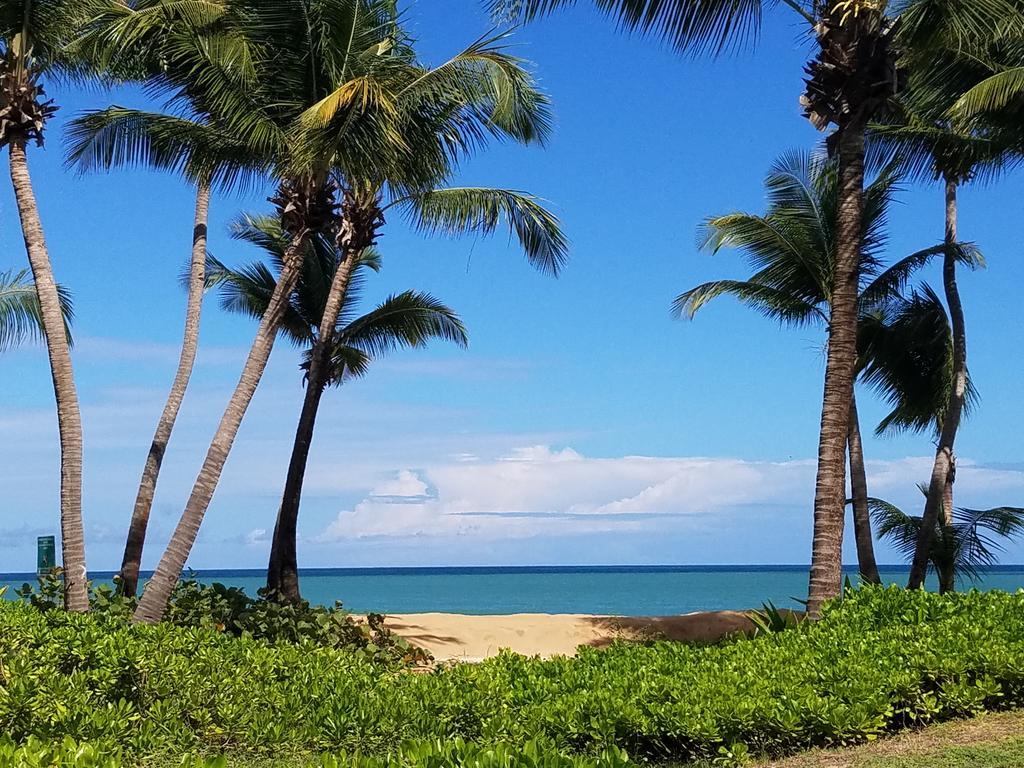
460	637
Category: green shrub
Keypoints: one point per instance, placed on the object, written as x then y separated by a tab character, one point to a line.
437	754
880	660
231	610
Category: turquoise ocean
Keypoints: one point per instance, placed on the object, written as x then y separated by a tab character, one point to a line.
625	590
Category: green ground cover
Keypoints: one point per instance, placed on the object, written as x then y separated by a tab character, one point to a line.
880	661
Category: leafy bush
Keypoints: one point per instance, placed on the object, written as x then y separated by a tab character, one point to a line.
456	753
880	660
231	610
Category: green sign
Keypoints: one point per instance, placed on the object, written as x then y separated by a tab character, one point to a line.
46	554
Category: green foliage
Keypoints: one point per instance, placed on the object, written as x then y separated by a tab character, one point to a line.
20	316
880	660
454	753
230	610
36	753
770	619
966	548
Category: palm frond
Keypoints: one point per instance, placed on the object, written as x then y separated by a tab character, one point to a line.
463	210
697	26
21	318
992	94
893	280
769	301
908	362
408	319
120	137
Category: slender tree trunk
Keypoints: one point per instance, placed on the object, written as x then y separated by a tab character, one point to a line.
830	484
947	496
158	590
951	419
282	570
947	582
859	492
132	560
69	418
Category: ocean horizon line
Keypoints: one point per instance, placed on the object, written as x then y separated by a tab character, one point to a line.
454	570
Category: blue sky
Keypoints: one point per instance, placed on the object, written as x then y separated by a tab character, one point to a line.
583	425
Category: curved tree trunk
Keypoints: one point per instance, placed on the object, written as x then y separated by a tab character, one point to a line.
69	418
282	570
958	391
947	496
830	484
859	493
132	560
157	593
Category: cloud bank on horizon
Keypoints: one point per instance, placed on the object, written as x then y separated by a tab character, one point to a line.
400	483
538	491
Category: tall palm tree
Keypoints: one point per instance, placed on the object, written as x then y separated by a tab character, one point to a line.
963	544
409	319
351	110
453	211
955	152
159	42
21	319
850	81
34	38
793	248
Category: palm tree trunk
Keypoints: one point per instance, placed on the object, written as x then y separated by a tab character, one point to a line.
947	496
859	492
830	484
69	417
951	418
282	570
157	593
947	581
132	560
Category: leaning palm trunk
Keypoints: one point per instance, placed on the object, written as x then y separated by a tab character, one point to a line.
69	418
947	496
282	571
830	483
943	464
132	560
157	593
859	494
358	229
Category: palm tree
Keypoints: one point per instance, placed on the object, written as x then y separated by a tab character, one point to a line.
21	319
954	152
793	248
409	319
163	40
351	110
34	38
453	211
849	83
963	543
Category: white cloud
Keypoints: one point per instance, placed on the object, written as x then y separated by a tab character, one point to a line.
256	537
535	491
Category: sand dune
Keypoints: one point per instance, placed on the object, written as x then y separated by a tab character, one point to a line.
453	636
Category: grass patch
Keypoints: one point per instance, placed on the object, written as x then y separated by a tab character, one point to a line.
994	740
